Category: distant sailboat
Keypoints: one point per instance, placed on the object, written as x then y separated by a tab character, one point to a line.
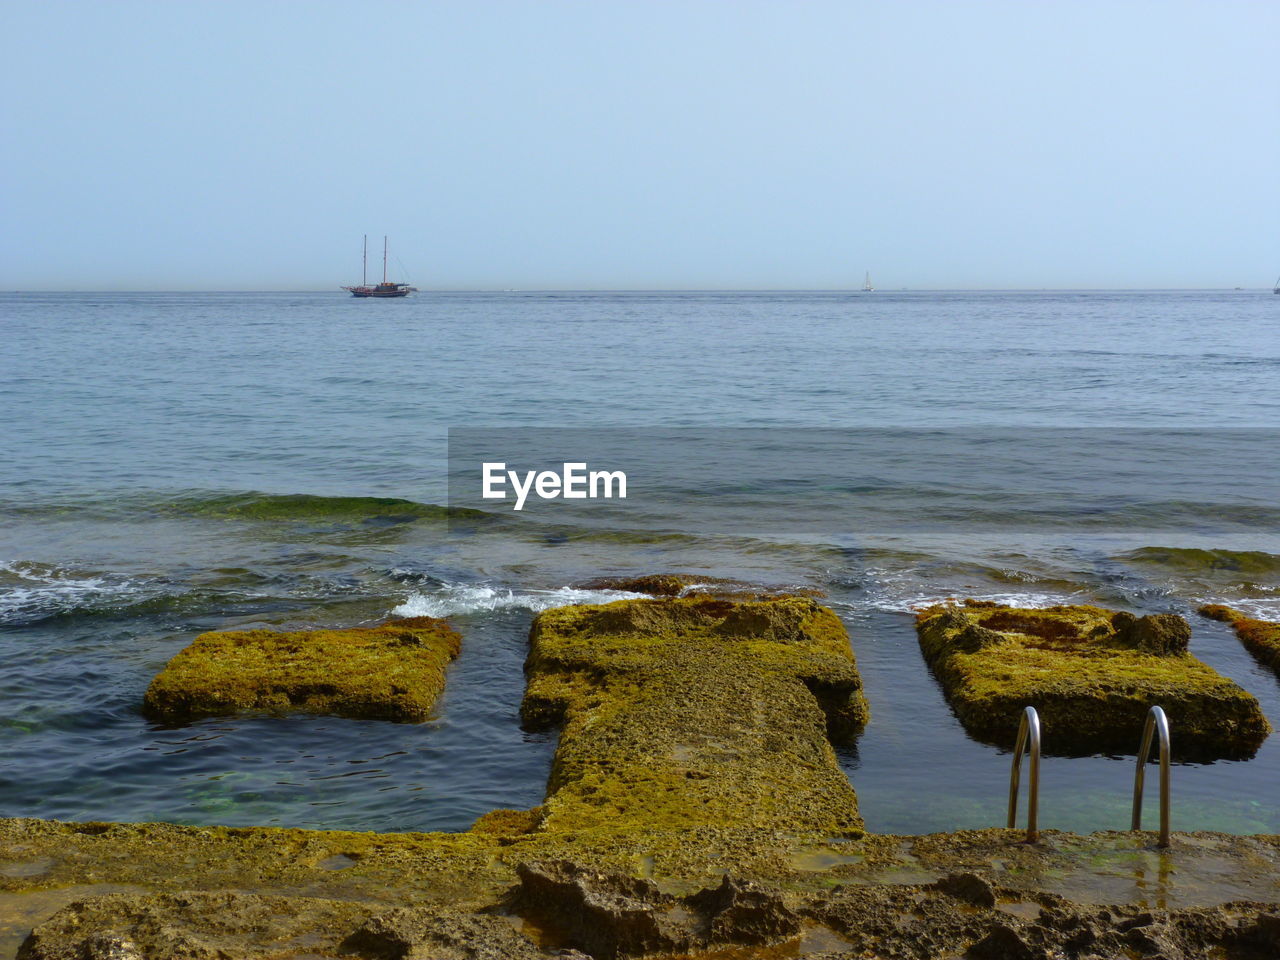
866	286
384	289
1277	289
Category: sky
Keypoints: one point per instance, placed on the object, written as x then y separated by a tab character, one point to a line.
640	144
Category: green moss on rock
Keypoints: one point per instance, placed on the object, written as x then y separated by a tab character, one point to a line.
681	712
394	671
1092	674
1260	637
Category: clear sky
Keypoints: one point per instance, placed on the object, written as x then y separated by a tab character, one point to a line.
641	143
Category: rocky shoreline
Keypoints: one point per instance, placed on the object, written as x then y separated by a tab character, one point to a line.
694	807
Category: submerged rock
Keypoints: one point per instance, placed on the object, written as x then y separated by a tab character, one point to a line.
1260	637
390	672
693	711
1092	674
689	585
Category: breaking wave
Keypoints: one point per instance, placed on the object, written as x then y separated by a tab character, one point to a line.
30	592
458	599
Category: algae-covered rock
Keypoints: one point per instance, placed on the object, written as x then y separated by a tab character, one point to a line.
1092	675
690	711
390	672
1260	637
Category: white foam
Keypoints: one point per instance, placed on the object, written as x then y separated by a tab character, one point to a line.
918	601
459	599
43	591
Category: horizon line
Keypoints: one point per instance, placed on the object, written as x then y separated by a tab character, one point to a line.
859	290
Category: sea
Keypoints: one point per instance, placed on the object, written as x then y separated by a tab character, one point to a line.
174	463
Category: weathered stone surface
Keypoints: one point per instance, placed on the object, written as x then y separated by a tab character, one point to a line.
218	926
390	672
695	711
191	926
1092	675
1260	637
968	887
606	914
439	934
614	915
1225	888
739	911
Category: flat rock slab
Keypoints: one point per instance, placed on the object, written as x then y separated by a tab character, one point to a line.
1092	675
394	671
1260	637
689	711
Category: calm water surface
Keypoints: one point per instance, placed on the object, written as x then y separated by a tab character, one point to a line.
154	447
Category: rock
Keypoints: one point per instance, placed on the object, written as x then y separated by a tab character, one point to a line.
695	712
607	915
390	672
968	887
612	915
105	947
1265	931
1002	942
1260	637
192	926
656	585
1151	935
742	912
974	638
1091	674
420	933
1157	633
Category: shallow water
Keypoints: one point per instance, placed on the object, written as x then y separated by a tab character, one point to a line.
154	444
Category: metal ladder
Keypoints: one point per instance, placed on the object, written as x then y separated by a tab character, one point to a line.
1028	742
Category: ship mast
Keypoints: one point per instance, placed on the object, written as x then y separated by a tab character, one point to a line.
384	259
364	263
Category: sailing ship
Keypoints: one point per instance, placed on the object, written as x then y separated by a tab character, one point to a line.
384	289
1277	289
866	285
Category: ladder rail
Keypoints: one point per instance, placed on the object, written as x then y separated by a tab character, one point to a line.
1157	724
1028	742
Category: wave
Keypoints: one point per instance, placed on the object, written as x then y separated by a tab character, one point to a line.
306	506
251	505
461	599
886	602
30	592
1199	560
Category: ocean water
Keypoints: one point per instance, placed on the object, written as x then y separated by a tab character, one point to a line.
174	463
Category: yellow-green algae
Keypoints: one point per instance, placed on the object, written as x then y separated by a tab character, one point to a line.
1089	674
592	667
394	671
695	711
1260	637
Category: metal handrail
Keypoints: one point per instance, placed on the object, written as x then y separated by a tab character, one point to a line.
1156	722
1028	742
